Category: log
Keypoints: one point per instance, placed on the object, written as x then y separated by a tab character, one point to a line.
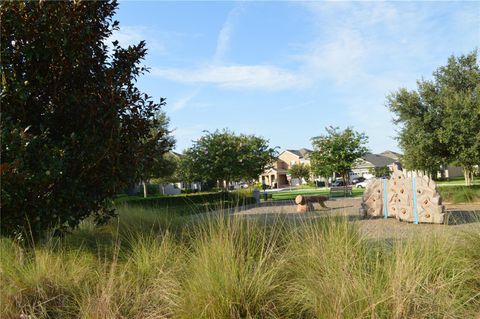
305	203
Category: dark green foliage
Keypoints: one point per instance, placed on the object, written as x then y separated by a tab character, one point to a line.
225	156
440	121
379	171
74	127
337	151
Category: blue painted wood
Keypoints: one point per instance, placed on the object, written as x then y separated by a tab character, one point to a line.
415	211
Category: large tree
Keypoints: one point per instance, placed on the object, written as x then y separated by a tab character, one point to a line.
337	151
224	156
440	121
74	126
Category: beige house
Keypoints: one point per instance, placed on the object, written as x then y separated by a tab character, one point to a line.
277	176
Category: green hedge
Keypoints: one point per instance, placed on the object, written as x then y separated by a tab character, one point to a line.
187	199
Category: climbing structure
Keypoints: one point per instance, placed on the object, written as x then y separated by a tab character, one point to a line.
405	196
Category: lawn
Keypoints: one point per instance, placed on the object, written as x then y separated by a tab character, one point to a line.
150	263
291	194
457	181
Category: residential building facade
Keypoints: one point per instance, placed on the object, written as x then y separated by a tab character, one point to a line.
277	176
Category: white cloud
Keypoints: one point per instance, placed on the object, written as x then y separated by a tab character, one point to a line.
341	58
184	101
235	76
223	40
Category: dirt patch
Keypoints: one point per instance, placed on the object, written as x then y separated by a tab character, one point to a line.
460	217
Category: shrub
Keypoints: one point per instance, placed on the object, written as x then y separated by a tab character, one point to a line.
65	151
232	199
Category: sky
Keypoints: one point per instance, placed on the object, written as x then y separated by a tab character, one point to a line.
287	70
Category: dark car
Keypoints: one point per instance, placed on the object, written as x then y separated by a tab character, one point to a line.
357	180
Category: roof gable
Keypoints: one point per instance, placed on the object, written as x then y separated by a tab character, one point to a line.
301	153
378	160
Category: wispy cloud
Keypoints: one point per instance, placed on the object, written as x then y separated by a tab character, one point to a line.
234	76
184	100
223	40
340	58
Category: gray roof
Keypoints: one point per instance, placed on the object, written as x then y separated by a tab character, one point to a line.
378	160
391	154
303	152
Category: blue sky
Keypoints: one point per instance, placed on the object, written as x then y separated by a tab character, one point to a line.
286	70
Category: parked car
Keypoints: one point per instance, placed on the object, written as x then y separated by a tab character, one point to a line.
240	185
338	183
362	184
357	180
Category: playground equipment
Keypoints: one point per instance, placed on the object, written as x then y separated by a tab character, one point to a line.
408	197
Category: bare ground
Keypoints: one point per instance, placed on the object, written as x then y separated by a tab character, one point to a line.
460	217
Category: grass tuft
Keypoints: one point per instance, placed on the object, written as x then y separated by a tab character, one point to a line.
151	264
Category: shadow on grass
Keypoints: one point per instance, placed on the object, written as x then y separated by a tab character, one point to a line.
459	217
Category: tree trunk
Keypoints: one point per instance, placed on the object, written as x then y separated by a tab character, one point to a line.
144	189
468	174
442	172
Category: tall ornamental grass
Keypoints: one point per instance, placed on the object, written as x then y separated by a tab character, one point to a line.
151	265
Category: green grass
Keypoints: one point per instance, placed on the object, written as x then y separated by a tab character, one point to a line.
460	194
155	264
185	204
290	195
457	181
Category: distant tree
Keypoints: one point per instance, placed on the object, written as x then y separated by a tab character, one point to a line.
166	171
379	171
300	171
225	156
74	127
440	121
154	160
337	151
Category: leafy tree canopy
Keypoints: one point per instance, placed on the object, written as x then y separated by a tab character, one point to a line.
225	156
337	151
300	171
74	128
440	121
379	171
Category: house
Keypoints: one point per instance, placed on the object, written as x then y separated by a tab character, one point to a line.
449	171
389	159
371	161
277	175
